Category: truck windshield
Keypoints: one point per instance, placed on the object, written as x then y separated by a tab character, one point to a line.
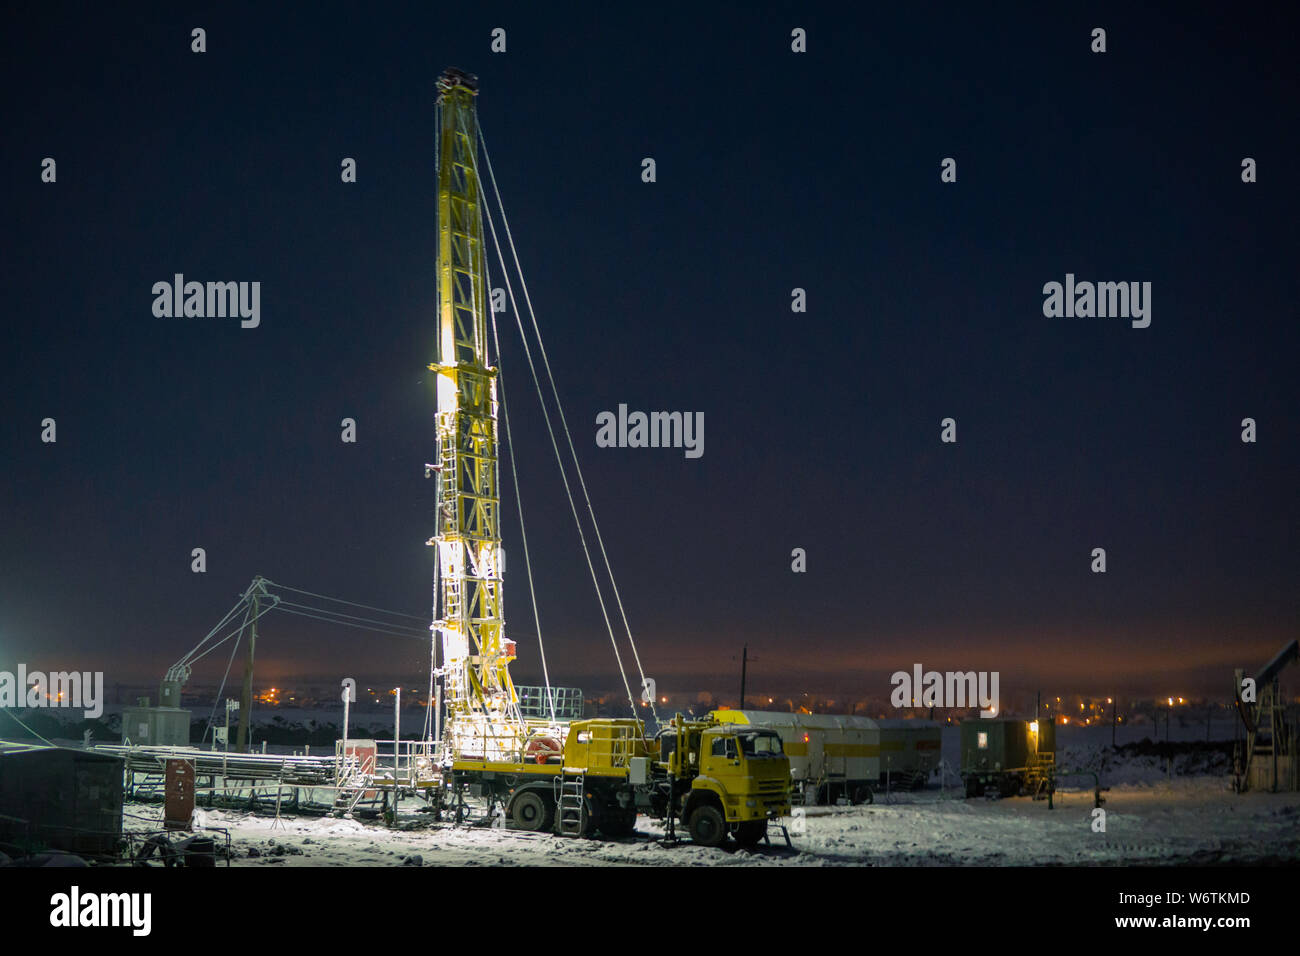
761	745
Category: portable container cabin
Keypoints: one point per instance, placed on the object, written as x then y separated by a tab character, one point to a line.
147	726
836	755
909	750
59	798
1005	753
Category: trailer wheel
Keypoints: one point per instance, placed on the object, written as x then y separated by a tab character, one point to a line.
706	825
528	811
751	832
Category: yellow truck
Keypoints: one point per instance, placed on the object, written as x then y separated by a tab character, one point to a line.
717	779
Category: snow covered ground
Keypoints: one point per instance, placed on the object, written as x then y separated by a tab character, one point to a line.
1165	805
1158	811
1193	820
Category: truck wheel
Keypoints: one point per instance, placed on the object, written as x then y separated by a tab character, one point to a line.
751	832
528	811
592	817
707	827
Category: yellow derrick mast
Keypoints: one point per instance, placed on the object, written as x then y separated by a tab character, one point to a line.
482	709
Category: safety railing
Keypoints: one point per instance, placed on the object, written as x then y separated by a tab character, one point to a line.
408	763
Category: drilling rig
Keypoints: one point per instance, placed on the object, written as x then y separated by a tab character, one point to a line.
716	779
481	707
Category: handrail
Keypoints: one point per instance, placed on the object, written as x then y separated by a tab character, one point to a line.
1096	785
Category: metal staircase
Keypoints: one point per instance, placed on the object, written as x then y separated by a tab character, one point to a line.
1270	752
351	784
572	805
1040	775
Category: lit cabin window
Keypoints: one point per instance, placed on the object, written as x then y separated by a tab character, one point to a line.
983	740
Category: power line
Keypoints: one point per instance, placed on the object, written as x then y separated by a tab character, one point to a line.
360	627
368	607
350	617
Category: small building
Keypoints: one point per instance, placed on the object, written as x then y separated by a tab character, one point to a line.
60	798
1008	754
166	726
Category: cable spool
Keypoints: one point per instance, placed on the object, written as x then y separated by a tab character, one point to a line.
542	748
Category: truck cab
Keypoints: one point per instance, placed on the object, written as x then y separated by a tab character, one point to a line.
730	779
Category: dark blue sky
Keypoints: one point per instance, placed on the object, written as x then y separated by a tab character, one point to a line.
775	170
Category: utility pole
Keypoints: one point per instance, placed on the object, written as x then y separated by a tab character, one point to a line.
744	666
397	744
246	695
349	695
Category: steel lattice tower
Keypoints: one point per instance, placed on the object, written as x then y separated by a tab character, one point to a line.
482	712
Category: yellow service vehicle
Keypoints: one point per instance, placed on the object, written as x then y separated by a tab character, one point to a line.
719	778
716	778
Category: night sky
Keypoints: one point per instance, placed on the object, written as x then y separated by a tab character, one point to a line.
775	170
